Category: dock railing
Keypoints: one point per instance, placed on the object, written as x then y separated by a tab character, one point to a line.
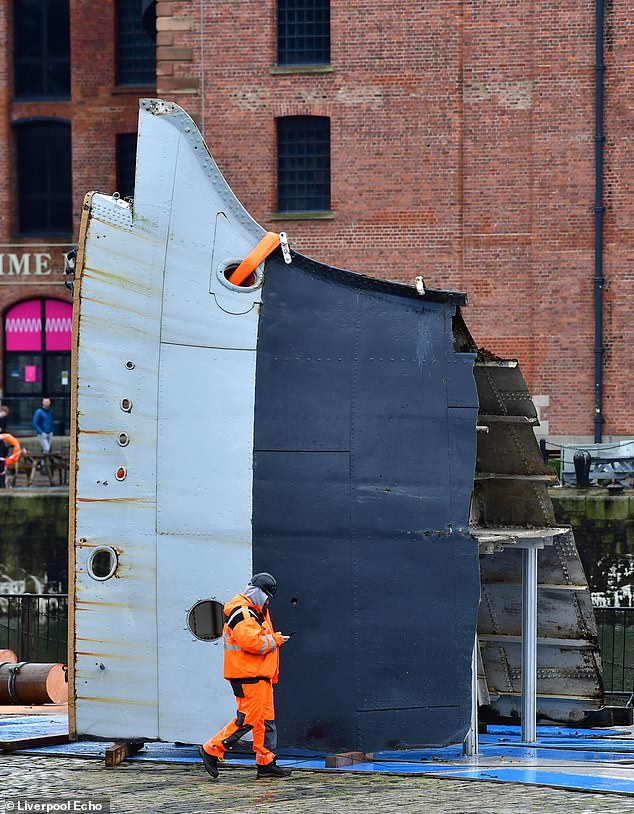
34	626
616	640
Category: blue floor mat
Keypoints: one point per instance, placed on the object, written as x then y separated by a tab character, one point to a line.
568	759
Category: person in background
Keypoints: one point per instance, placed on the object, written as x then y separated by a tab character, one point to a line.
4	412
43	425
251	665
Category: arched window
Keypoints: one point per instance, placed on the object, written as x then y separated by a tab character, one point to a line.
37	343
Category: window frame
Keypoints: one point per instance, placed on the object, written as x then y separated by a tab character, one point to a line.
124	72
123	143
46	146
44	61
306	176
287	44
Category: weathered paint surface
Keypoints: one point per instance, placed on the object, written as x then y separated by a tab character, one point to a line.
181	519
362	430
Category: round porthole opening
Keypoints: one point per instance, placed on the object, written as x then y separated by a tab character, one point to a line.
102	563
250	283
206	619
126	405
123	439
121	473
246	283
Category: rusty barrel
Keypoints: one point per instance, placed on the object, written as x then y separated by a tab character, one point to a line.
31	683
8	656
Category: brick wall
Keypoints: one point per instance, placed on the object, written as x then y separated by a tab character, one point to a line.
97	110
462	149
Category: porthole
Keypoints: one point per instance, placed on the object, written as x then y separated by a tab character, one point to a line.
123	439
126	405
253	281
121	473
102	563
206	619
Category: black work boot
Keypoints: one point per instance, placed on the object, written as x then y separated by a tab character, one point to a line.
210	762
272	770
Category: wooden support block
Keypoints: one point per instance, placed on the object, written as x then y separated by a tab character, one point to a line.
119	751
31	743
345	759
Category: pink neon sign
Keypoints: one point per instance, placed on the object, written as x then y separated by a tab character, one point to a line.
23	326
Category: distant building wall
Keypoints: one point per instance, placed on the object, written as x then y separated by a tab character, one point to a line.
97	107
462	149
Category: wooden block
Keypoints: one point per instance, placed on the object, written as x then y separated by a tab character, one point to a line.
345	759
119	751
31	743
116	754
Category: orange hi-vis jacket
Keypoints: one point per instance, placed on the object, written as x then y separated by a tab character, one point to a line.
251	644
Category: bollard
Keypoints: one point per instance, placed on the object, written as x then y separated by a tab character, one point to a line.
582	460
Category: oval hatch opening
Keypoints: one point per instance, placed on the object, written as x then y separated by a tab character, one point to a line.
249	281
102	563
206	619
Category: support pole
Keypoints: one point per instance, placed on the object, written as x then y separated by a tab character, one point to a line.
529	645
470	745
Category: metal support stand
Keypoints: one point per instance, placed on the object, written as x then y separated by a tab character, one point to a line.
529	645
470	744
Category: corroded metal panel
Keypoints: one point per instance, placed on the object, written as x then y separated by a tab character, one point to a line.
511	490
115	627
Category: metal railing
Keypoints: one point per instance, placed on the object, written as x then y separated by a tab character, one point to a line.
616	640
34	626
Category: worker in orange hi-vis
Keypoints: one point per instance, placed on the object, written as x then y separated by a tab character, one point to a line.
251	665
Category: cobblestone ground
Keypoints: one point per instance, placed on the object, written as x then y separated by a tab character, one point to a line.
186	789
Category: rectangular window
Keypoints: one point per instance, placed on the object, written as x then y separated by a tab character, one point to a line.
126	163
44	178
41	43
303	164
303	32
136	49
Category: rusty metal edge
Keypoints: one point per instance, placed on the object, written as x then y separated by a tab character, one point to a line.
72	480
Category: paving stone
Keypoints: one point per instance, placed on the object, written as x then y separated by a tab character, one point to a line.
186	789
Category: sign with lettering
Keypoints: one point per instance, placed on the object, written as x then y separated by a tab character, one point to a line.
32	261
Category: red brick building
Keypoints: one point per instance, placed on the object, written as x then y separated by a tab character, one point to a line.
451	139
461	145
71	75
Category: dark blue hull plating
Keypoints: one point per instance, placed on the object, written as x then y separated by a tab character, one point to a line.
365	433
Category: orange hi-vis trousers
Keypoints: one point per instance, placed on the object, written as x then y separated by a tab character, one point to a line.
255	712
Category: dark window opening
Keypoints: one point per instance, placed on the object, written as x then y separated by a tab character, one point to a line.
303	32
44	178
136	49
126	164
303	164
41	49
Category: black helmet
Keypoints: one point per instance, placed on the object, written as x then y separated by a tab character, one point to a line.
265	582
